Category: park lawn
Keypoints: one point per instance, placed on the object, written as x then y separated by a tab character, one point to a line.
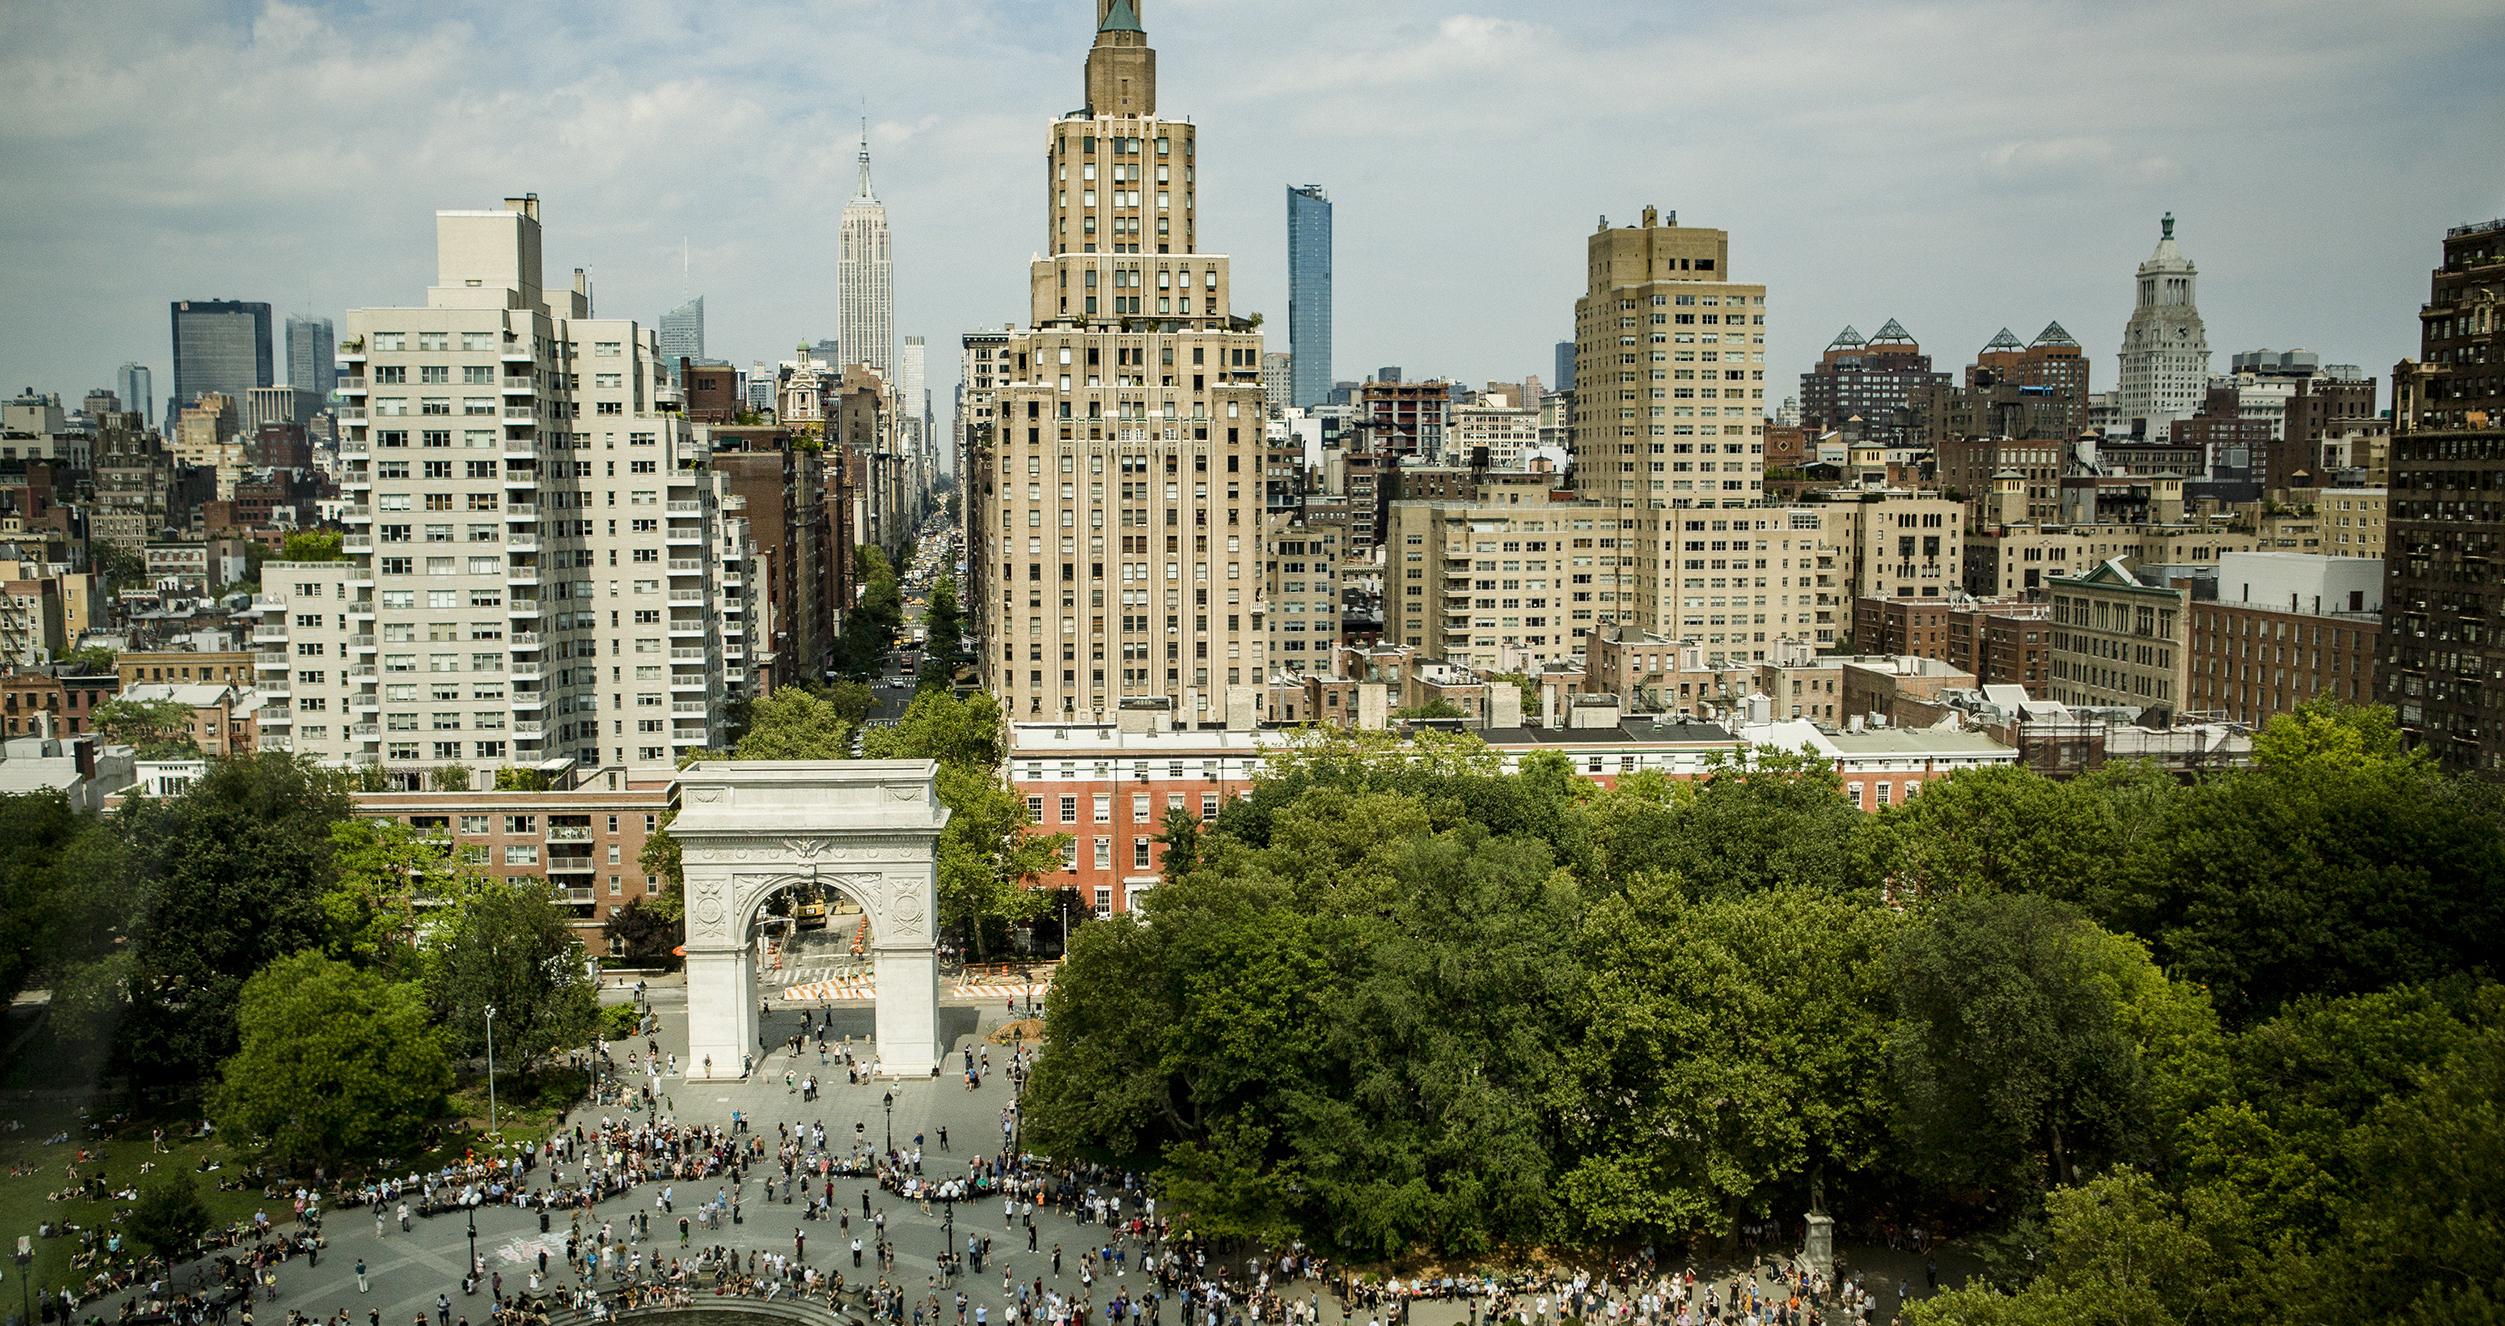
23	1201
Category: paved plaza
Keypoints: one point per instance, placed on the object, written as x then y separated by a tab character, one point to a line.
405	1272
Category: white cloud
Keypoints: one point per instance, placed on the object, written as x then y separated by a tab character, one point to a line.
1960	163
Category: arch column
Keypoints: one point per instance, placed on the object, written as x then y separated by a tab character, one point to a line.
866	828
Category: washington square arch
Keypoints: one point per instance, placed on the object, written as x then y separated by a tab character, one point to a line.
867	829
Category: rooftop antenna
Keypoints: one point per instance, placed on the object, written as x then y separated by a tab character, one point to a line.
686	268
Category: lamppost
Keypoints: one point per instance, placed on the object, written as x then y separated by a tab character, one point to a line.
491	1068
949	1216
472	1268
26	1278
890	1101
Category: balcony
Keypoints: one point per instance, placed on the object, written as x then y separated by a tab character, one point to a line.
518	353
529	700
354	354
349	413
684	537
520	448
357	545
569	833
356	515
697	708
354	446
522	608
687	566
686	628
271	658
520	387
527	670
365	731
688	596
368	703
351	386
522	541
361	672
520	512
682	682
524	420
522	575
686	508
523	640
688	656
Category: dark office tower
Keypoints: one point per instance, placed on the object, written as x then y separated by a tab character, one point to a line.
1564	376
220	345
2445	531
1309	295
312	362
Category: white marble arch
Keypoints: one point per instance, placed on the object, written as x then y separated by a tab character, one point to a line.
866	828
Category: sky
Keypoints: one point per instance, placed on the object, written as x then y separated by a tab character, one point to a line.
1960	165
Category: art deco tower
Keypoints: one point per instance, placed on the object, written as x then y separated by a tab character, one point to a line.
865	321
1118	515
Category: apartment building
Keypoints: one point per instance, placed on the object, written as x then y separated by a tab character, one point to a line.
1123	524
2120	640
532	572
1301	581
2286	628
584	839
2352	521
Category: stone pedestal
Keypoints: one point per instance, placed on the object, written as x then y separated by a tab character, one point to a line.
1818	1250
867	829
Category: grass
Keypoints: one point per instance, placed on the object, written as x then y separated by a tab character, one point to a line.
32	1168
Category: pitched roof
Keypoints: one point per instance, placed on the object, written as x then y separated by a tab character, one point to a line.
1123	17
2054	335
1845	338
2005	341
1893	330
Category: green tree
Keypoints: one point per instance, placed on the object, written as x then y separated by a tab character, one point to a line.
231	876
962	731
2121	1253
510	948
169	1219
511	778
335	1065
2337	864
792	724
450	778
1731	1052
987	859
123	566
1765	819
90	661
854	701
660	857
644	933
943	621
392	885
316	545
1435	708
156	729
2012	1062
44	885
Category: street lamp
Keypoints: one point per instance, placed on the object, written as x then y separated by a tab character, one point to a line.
890	1101
491	1068
949	1214
26	1278
472	1268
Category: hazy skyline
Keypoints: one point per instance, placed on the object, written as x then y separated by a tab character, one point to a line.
1958	166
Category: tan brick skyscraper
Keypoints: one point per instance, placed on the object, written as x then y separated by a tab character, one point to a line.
1669	427
1119	518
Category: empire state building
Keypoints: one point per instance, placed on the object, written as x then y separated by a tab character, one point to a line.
1119	513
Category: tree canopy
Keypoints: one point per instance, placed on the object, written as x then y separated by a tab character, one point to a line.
1402	998
334	1064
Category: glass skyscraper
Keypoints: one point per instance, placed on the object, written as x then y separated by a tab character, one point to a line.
682	335
1309	295
312	358
220	345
